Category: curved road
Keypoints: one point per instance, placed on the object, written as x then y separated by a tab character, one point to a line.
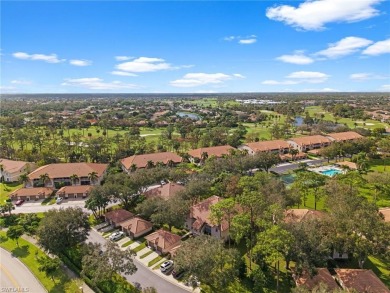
15	276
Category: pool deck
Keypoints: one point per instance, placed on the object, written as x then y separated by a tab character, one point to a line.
319	170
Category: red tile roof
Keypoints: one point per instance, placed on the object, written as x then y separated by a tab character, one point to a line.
264	146
386	213
322	276
310	140
141	161
118	216
217	151
12	166
363	281
136	225
201	213
298	215
75	189
166	191
163	239
343	136
66	170
36	191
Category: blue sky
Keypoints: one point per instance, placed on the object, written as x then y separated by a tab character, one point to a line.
199	47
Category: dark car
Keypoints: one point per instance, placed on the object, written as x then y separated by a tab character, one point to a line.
19	202
177	274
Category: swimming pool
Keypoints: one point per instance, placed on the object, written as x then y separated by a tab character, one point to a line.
331	172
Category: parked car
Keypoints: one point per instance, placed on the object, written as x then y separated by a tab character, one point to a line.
19	202
177	274
59	200
116	235
166	266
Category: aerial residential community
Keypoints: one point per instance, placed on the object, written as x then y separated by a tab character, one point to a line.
249	152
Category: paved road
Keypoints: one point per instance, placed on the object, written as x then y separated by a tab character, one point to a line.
143	275
15	276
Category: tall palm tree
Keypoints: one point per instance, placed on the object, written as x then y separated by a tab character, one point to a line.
204	156
93	176
24	179
170	163
293	153
74	178
149	164
133	167
44	178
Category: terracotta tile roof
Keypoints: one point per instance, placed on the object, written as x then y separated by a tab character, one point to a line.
343	136
298	215
350	165
136	225
309	140
141	160
364	281
264	146
386	213
201	213
163	239
12	166
322	276
32	191
75	189
217	151
118	216
65	170
166	191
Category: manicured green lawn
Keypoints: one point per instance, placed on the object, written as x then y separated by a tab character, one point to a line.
127	243
380	165
28	254
140	247
7	188
156	260
146	254
380	268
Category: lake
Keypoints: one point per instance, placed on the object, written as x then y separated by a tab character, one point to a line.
189	115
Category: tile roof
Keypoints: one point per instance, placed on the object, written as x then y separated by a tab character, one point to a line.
342	136
298	215
350	165
136	225
309	140
75	189
264	146
166	191
163	239
386	213
322	276
141	161
217	151
65	170
118	216
201	213
32	191
362	281
11	166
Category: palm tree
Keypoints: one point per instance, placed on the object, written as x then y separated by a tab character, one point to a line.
133	167
44	178
1	171
149	164
74	178
24	179
293	153
170	163
204	156
93	176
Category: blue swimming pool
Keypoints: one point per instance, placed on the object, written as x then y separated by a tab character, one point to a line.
331	172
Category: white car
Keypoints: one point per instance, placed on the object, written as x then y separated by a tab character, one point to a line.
166	266
59	200
116	235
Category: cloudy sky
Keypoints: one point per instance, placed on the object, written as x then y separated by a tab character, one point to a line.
199	47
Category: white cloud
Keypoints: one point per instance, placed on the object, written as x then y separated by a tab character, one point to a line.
145	64
123	73
198	79
325	90
229	38
7	89
366	76
77	62
308	76
275	82
95	83
314	14
123	58
238	75
22	82
52	58
385	88
298	58
381	47
247	41
344	47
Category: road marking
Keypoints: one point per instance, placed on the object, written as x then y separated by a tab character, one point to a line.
10	277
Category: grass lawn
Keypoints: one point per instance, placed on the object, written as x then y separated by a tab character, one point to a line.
155	260
27	253
127	243
140	247
146	254
7	188
159	262
380	165
380	268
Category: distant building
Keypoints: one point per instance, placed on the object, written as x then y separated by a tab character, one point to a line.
165	191
141	161
306	143
322	276
75	191
10	170
273	146
344	136
32	193
360	281
163	241
217	151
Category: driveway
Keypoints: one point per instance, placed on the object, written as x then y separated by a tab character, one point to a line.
15	276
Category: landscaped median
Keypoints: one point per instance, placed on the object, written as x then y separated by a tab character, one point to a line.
28	254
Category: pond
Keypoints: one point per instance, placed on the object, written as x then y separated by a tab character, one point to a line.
298	121
189	115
